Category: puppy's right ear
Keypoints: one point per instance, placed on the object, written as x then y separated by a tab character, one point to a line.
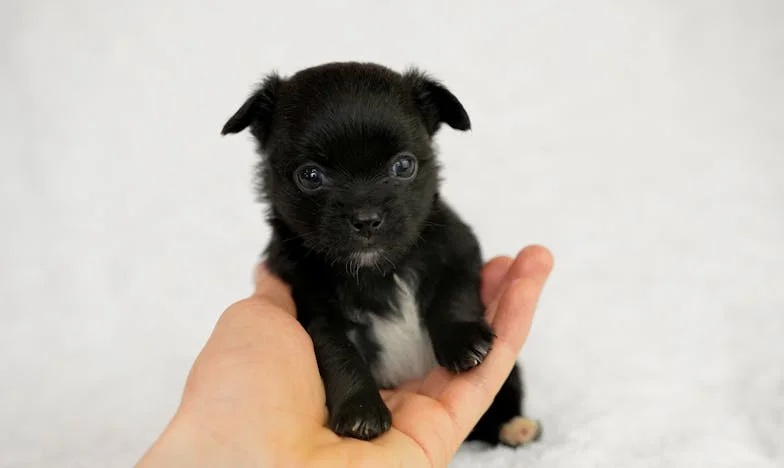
256	112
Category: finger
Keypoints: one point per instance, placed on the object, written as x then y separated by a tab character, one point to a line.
272	289
493	274
524	265
467	396
534	261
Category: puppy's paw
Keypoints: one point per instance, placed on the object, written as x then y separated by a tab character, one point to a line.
362	417
519	431
464	345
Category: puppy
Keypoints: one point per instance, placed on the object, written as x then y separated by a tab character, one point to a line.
384	274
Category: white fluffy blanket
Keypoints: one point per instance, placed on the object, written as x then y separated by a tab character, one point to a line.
641	141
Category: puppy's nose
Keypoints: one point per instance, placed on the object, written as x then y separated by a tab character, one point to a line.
366	220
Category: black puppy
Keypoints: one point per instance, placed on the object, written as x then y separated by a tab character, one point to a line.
385	276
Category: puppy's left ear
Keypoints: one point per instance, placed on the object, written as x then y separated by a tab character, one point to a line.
257	111
436	103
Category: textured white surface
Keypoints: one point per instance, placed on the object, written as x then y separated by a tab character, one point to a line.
642	141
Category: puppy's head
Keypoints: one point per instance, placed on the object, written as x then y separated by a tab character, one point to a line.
347	157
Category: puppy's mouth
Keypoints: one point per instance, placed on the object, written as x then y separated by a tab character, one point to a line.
367	257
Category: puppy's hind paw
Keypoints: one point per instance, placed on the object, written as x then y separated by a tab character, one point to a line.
519	431
361	417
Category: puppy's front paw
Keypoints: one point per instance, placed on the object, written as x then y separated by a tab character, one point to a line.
464	345
362	417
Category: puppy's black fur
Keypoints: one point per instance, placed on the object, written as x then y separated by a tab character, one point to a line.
385	276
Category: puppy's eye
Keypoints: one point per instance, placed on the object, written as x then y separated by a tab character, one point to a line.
309	178
404	167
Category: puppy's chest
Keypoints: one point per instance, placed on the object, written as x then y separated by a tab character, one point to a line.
388	330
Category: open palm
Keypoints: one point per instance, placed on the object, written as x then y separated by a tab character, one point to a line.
255	390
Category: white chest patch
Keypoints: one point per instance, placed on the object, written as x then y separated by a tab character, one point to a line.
405	350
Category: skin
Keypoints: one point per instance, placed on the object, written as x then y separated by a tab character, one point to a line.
254	396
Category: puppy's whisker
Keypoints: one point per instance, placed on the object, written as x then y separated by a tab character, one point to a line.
357	266
388	260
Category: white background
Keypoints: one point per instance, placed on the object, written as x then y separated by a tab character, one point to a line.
641	141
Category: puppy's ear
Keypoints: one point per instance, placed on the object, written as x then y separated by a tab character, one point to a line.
436	103
256	112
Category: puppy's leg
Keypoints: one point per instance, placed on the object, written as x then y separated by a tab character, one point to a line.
461	339
504	421
456	323
353	400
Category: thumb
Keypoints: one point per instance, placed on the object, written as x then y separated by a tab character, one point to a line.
273	290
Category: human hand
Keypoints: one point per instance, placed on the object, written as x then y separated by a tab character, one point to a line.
254	396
